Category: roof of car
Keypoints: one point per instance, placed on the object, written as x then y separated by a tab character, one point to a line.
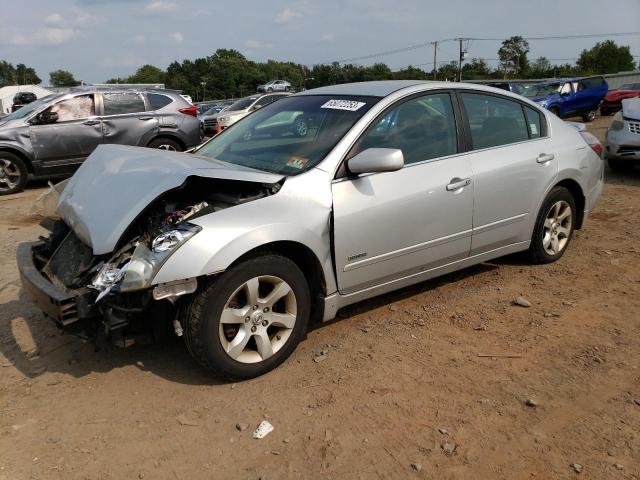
380	88
121	88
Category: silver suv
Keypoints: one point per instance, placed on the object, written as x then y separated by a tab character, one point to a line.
238	110
54	134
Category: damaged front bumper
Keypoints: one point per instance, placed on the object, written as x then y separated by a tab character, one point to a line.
64	306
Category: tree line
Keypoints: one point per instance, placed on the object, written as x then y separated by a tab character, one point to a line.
228	73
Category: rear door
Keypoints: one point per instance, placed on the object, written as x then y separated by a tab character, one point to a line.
73	137
513	161
397	224
125	119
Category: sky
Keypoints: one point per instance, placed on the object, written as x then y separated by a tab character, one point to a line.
101	39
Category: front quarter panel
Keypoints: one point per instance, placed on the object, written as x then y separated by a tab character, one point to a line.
300	212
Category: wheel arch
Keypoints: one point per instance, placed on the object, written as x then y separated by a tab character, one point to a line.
578	196
170	136
19	153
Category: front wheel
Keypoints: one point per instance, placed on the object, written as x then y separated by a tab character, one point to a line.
13	173
589	116
250	319
554	227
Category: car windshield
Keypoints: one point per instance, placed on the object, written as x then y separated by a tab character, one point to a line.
28	109
242	104
542	89
289	136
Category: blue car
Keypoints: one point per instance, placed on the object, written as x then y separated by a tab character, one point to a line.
571	97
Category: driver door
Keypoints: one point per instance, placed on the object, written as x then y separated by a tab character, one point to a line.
398	224
72	137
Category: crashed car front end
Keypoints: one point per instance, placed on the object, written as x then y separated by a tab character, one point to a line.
95	270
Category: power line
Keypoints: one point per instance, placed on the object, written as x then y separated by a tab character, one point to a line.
457	39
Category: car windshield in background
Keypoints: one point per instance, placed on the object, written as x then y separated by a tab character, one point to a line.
542	89
28	109
289	136
630	86
242	104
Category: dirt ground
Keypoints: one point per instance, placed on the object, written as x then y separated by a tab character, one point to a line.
404	391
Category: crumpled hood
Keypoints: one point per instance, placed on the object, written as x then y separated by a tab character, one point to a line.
117	182
631	108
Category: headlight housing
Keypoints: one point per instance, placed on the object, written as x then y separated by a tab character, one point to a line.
146	262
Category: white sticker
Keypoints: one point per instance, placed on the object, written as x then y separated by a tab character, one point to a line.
350	105
534	128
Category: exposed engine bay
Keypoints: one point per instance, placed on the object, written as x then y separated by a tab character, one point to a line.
68	263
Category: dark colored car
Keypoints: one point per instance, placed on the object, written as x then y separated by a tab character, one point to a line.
508	86
612	102
21	99
570	97
53	135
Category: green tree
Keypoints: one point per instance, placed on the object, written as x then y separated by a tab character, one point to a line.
147	74
62	78
540	68
476	69
606	57
18	75
513	56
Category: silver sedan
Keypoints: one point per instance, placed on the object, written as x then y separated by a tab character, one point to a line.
313	203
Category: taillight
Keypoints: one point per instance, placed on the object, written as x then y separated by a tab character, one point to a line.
593	142
191	110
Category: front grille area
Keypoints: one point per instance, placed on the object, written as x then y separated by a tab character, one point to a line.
634	127
210	123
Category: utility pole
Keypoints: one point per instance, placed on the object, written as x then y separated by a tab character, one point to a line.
460	60
435	53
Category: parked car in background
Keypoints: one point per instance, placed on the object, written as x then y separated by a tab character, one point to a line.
238	110
612	102
623	137
253	238
570	97
209	114
54	135
21	99
275	86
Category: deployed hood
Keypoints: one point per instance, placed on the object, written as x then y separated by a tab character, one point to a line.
631	108
116	183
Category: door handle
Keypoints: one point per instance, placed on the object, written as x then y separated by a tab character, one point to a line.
458	183
545	157
91	122
145	118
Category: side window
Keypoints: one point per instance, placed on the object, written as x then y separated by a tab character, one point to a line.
75	108
494	121
423	128
266	100
119	103
158	101
534	120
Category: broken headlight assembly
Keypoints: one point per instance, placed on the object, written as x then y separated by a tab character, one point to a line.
145	262
137	271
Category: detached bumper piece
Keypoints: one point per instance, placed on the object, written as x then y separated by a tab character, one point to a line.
64	306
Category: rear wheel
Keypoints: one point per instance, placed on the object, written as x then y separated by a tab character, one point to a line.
250	319
621	166
554	227
166	144
13	173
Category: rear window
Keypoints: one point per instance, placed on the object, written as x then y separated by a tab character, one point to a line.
534	122
121	103
158	101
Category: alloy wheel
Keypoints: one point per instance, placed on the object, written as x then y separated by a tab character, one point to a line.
257	319
557	228
166	146
10	175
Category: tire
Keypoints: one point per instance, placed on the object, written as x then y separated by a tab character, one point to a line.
270	89
164	143
549	221
13	173
620	166
555	111
208	340
589	116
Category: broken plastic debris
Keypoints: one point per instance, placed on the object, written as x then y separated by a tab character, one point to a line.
264	429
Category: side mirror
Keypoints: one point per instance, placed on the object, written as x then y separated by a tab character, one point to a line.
374	160
46	118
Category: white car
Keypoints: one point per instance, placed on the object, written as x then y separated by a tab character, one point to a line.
623	137
275	86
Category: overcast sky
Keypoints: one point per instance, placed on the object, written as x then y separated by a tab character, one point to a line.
99	39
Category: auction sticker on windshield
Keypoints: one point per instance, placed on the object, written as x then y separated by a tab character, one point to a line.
350	105
297	162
